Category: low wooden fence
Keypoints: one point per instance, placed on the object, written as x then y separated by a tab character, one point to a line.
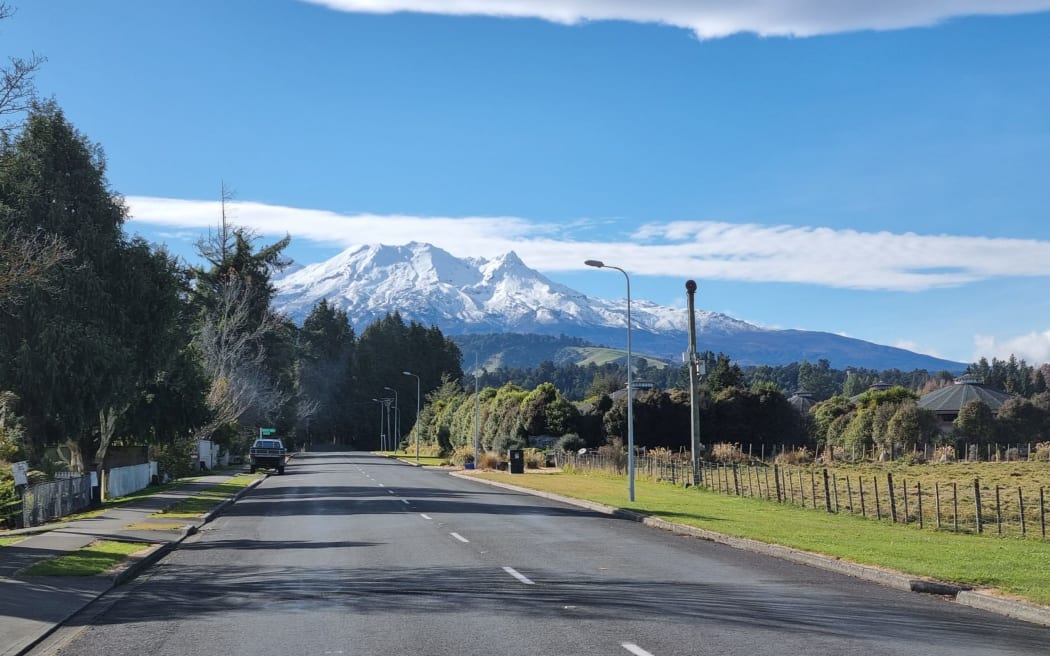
968	506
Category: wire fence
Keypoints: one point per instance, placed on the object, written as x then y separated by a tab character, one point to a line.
968	506
45	502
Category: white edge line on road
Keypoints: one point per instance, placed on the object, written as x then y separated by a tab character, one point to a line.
635	649
518	575
424	516
459	537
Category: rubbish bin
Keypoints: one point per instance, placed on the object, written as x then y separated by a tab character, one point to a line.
517	461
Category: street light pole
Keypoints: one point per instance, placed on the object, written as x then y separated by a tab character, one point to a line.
475	410
630	381
416	426
397	417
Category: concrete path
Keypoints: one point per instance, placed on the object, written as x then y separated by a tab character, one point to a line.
32	606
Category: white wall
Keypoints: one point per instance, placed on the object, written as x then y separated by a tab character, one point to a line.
121	481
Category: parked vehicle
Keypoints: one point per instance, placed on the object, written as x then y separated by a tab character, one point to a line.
268	453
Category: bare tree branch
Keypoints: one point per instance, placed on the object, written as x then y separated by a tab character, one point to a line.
233	358
17	91
28	260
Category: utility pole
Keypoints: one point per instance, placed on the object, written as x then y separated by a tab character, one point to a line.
694	382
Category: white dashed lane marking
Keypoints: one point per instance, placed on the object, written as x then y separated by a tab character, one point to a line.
518	575
635	649
459	537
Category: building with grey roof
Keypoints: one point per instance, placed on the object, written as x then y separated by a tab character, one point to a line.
946	401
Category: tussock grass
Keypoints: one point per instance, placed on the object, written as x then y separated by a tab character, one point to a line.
1011	565
93	559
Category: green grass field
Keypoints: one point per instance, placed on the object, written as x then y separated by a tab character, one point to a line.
91	560
1012	566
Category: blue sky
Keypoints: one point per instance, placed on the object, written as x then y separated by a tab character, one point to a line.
878	171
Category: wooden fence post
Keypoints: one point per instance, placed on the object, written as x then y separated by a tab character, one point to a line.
776	478
893	498
937	502
919	492
1020	504
878	507
977	504
998	513
904	488
955	505
827	491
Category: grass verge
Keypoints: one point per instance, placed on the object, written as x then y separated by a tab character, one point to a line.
155	526
200	504
1011	565
9	541
93	559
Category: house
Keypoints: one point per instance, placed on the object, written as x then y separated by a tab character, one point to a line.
946	402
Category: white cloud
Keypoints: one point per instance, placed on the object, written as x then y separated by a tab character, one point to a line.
715	18
705	250
1033	347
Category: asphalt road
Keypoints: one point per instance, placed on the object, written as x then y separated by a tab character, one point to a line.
357	554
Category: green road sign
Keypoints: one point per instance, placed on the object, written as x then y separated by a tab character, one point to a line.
267	431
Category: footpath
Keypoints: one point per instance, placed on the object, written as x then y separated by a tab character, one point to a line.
31	607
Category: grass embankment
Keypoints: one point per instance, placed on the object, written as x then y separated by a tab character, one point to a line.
1013	566
9	541
91	560
205	501
409	456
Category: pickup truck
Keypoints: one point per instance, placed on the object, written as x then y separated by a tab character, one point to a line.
268	453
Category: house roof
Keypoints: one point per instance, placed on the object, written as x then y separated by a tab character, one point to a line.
802	401
949	399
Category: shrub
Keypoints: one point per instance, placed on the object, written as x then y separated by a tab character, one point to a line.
462	455
944	453
1042	451
488	460
570	442
727	453
800	456
614	453
175	459
533	458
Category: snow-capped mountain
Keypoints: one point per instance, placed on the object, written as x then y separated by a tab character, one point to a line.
502	295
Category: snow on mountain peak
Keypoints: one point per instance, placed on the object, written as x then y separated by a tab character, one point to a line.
430	285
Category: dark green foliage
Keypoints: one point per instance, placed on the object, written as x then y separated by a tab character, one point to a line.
90	342
975	422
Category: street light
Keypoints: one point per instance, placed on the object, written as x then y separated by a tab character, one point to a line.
416	426
476	400
397	416
630	381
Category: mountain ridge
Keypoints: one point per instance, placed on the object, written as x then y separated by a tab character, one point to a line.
478	295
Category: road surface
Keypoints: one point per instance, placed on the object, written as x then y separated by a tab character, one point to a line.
350	553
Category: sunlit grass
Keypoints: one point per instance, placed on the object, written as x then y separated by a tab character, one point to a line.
4	542
205	501
1015	566
93	559
155	526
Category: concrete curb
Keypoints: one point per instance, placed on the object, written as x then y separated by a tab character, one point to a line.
134	566
963	595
